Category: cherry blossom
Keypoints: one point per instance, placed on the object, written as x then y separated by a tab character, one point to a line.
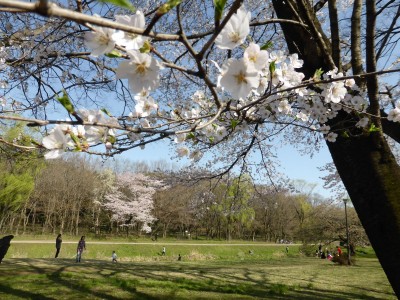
102	40
131	199
183	151
145	106
141	70
394	115
132	41
239	78
57	141
235	31
334	92
331	137
256	57
363	122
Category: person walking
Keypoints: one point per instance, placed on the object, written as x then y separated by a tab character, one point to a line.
80	248
114	257
58	244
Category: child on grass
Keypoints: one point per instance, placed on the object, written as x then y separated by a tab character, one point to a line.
114	257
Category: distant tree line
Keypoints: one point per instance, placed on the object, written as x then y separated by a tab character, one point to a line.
78	195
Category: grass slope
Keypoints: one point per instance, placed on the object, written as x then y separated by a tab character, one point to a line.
206	272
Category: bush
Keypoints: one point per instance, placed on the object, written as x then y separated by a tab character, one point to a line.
308	250
342	259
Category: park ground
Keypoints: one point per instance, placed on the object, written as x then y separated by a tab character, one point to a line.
208	270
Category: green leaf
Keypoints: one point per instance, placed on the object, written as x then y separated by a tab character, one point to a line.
166	7
114	54
234	123
76	141
272	67
345	134
267	46
122	3
373	128
219	8
64	100
190	135
104	110
317	74
111	139
146	48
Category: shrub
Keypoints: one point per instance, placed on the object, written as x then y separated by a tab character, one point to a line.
308	250
342	259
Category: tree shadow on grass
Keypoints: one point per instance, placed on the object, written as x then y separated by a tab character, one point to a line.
173	280
18	293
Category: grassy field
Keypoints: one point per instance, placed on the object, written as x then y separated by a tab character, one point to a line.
207	271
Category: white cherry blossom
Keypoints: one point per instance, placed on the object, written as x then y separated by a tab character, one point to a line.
334	92
235	31
394	115
363	122
256	57
180	138
102	40
284	107
183	151
132	41
325	129
141	70
145	106
331	137
239	78
57	142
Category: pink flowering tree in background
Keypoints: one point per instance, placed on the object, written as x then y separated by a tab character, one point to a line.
231	79
130	200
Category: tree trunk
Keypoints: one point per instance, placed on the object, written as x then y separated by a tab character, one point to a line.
365	164
371	176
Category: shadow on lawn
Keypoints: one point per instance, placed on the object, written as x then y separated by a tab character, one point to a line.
93	279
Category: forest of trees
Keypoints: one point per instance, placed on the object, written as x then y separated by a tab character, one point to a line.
78	195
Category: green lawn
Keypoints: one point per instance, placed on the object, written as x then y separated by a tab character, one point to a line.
206	272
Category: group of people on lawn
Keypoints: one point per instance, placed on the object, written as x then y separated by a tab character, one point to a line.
82	246
327	254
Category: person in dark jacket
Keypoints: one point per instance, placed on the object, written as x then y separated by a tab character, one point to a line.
4	245
58	244
80	248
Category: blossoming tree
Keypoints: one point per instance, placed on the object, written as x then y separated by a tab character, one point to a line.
217	77
131	200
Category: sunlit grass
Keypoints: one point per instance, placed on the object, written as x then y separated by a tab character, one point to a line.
29	271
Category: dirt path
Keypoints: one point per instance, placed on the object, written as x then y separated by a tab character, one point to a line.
151	243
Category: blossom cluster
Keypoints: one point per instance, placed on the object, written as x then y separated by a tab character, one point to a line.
256	84
65	137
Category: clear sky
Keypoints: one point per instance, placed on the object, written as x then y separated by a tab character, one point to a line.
294	165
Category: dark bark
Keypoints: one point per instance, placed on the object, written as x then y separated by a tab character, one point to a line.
371	176
365	163
299	39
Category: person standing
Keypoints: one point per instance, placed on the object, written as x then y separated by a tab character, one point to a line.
80	248
4	245
58	244
339	251
163	251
